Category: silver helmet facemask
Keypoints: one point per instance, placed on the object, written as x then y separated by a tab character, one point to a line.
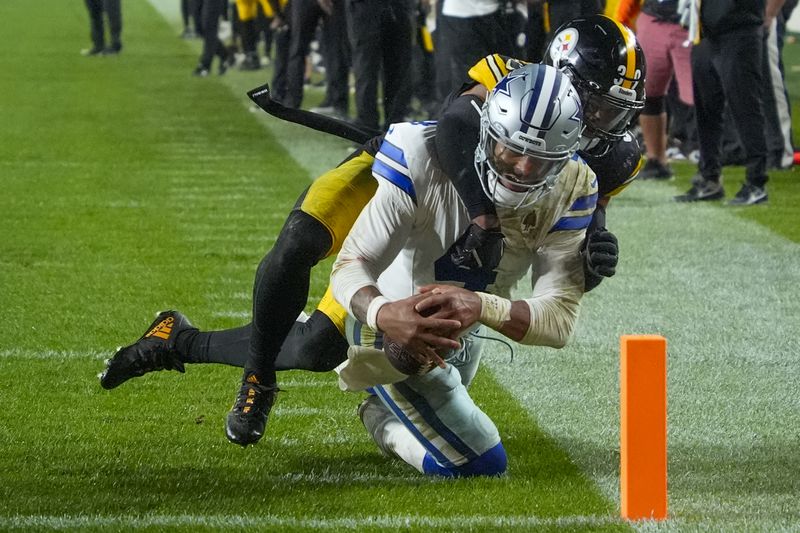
531	126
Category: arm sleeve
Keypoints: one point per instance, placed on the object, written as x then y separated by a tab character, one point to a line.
457	136
592	280
598	220
557	290
378	235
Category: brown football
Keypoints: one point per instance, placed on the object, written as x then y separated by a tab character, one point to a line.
403	359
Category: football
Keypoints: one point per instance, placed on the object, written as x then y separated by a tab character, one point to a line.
403	359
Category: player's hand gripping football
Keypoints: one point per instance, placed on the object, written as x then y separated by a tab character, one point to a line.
420	334
454	303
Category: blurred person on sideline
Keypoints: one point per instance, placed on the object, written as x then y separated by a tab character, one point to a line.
668	53
381	38
777	106
190	15
304	17
99	11
728	68
212	45
466	30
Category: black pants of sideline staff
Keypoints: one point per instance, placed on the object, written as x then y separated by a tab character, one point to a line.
728	69
381	39
113	12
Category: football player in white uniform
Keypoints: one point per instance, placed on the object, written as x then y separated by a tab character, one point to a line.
545	195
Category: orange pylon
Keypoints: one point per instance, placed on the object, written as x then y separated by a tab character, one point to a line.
643	427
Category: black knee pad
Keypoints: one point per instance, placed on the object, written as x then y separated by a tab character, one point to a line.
303	239
314	345
654	105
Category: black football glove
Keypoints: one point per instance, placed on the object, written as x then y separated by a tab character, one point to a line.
478	248
600	255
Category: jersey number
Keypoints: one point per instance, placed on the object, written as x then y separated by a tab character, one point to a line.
474	279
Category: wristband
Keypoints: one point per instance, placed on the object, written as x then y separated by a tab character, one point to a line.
372	311
494	310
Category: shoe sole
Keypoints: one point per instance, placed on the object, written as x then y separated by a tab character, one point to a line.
762	200
709	198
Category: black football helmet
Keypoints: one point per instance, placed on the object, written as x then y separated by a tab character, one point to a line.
607	67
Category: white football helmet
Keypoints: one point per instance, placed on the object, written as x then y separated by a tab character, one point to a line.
531	125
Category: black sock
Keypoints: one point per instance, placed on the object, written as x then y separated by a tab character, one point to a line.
226	347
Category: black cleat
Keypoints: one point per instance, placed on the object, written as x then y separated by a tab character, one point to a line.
248	416
251	62
656	170
93	51
702	190
750	195
201	71
113	50
155	350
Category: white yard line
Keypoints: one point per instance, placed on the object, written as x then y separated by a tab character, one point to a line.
228	521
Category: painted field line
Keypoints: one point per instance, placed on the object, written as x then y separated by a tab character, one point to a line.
271	521
339	479
21	353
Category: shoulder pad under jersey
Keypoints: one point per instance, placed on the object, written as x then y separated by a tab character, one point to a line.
492	68
618	167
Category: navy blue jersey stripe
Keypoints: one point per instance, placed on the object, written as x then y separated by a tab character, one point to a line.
584	202
396	177
387	400
534	99
571	223
556	87
429	414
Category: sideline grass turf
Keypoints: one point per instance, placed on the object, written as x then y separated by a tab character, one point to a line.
130	187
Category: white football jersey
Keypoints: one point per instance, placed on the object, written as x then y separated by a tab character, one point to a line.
402	238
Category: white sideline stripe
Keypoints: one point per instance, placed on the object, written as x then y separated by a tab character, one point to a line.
312	411
385	521
307	382
232	314
19	353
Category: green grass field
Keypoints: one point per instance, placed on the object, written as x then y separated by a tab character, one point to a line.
129	187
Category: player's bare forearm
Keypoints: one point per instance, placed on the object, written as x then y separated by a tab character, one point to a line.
361	300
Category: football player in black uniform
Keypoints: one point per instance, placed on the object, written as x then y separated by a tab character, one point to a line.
607	66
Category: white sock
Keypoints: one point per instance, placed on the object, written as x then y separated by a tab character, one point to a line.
399	440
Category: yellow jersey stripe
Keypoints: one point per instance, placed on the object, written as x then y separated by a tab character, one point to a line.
489	70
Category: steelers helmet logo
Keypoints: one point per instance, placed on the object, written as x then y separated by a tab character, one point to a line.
563	44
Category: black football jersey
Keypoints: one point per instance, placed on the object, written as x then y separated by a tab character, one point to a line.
616	168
